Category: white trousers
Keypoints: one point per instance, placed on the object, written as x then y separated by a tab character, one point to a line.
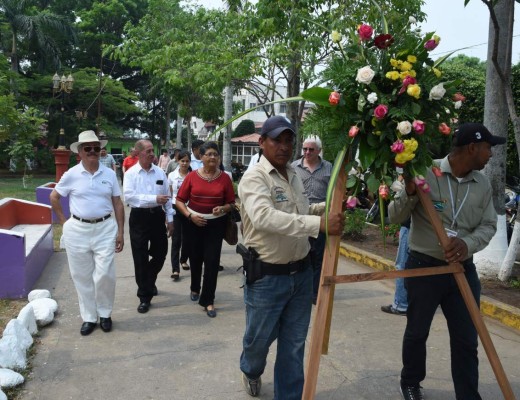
90	252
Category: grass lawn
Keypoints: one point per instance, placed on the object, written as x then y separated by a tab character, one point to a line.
13	187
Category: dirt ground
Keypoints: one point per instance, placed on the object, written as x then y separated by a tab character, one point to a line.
372	242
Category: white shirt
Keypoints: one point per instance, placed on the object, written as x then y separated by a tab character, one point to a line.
175	181
141	188
90	195
254	160
195	164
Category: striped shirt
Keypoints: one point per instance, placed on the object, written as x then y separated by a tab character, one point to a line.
316	182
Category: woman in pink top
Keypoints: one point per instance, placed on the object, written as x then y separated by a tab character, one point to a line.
205	197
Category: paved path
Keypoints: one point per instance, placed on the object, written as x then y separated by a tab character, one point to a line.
176	352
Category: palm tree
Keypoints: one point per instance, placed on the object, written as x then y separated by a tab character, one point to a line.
37	28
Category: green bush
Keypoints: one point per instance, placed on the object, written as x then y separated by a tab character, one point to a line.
354	224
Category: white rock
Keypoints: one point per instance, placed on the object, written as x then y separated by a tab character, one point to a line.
43	310
39	294
45	302
9	378
27	318
2	395
17	329
11	355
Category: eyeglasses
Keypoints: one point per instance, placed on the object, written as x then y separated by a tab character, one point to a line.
211	154
88	149
309	149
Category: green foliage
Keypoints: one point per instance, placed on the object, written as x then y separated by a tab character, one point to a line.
245	127
354	223
392	231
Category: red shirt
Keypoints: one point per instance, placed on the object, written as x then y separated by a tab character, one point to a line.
130	161
202	195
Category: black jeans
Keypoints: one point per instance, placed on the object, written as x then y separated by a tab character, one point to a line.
205	246
149	248
425	294
179	242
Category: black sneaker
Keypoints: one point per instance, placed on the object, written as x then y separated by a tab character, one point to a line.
390	309
411	392
252	386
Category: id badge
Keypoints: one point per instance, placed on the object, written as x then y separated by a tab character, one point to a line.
451	232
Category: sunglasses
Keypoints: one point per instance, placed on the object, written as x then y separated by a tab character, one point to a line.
309	149
88	149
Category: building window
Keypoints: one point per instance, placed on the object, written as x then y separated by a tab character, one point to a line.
283	107
251	105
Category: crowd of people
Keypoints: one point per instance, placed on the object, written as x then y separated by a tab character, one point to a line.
188	196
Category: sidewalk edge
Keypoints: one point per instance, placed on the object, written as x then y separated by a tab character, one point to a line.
506	314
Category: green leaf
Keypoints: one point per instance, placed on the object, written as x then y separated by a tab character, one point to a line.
317	95
367	154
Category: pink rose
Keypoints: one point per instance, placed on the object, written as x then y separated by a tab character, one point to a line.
458	97
419	180
365	32
380	111
408	80
351	202
397	146
431	45
334	98
384	192
418	126
353	131
444	129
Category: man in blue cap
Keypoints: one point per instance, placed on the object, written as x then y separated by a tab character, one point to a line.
277	225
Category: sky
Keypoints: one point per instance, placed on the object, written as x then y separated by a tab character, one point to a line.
457	26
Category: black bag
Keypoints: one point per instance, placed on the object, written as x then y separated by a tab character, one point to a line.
231	233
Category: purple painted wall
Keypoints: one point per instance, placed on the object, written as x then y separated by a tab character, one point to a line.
43	196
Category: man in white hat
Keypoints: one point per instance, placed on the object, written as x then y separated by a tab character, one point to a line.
91	236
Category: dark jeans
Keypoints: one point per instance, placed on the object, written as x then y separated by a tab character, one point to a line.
149	248
425	294
205	246
316	254
179	246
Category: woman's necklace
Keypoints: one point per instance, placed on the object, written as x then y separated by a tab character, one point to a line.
208	177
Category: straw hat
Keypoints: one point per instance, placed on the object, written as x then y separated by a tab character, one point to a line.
87	137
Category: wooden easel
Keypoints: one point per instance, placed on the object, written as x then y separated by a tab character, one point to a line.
323	315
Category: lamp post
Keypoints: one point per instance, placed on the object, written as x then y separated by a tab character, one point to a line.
61	86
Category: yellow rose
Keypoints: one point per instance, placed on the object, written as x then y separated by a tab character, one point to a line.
393	62
411	145
414	91
403	158
393	75
411	59
437	72
406	66
335	36
412	73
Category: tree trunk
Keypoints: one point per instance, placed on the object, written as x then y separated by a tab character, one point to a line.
178	143
226	142
293	89
167	139
496	119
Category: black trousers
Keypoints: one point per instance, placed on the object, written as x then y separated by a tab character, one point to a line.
205	246
149	243
425	294
179	242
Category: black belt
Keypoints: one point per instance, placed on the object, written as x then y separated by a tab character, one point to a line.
150	210
92	220
284	269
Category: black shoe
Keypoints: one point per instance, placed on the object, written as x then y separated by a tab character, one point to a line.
411	392
144	306
87	328
390	309
194	296
155	292
105	324
185	266
211	313
220	268
175	276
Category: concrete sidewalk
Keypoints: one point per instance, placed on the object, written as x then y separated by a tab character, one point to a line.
176	352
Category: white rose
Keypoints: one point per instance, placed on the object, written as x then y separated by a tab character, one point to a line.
404	127
458	104
372	97
365	75
437	92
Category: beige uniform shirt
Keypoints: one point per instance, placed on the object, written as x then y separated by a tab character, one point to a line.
275	214
475	216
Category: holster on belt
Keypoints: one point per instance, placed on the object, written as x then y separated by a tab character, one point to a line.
252	264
